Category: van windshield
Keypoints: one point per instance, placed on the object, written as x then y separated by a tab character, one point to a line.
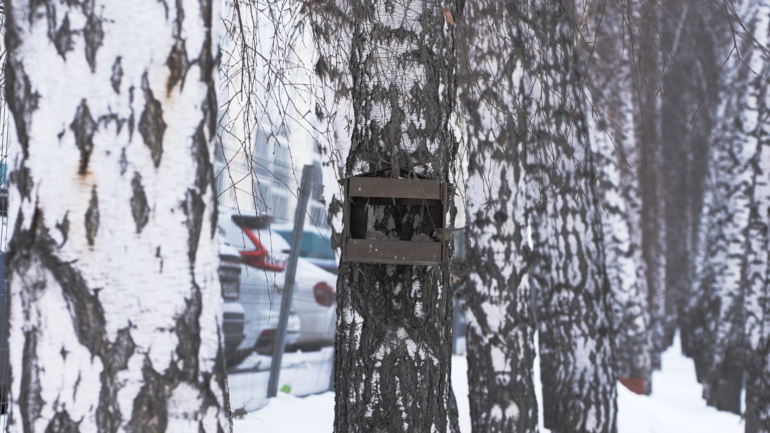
314	246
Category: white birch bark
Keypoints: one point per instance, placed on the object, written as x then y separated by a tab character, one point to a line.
496	74
115	302
749	121
733	166
614	143
568	268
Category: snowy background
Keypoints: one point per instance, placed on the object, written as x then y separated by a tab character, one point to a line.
675	405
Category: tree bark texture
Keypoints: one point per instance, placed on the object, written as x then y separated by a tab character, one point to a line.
568	268
115	302
719	303
648	91
393	344
498	70
757	288
733	164
747	318
332	24
610	83
692	44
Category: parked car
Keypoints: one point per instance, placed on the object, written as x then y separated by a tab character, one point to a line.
234	316
314	293
265	251
316	246
258	299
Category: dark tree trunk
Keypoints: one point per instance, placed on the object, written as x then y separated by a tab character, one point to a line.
649	92
394	333
115	305
497	300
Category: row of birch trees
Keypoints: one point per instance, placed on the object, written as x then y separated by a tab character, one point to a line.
610	156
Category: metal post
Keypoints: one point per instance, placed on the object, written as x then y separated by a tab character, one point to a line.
288	286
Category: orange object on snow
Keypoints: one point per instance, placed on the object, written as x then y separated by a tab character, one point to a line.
634	385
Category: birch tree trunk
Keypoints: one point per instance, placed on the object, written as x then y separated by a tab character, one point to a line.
575	324
115	302
497	73
614	143
746	317
733	164
648	89
393	345
757	273
568	270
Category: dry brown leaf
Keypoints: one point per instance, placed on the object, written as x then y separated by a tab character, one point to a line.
539	52
448	16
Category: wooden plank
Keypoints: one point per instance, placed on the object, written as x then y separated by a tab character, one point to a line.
388	201
393	252
426	189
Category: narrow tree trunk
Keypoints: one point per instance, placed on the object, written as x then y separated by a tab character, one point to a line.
757	293
568	270
648	89
115	302
497	300
394	332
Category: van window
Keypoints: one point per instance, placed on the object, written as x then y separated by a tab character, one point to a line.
314	246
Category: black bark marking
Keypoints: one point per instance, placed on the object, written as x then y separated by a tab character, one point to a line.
115	359
92	217
63	38
123	161
188	330
206	14
151	125
21	178
62	423
30	400
150	413
84	127
177	59
193	208
12	40
177	65
139	208
75	387
205	170
117	75
93	35
106	119
220	375
22	101
131	117
64	228
158	256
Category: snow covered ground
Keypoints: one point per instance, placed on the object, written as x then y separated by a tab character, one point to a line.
675	406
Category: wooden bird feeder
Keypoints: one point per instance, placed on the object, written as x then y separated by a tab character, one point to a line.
367	190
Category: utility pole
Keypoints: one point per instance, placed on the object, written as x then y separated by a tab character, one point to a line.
288	286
